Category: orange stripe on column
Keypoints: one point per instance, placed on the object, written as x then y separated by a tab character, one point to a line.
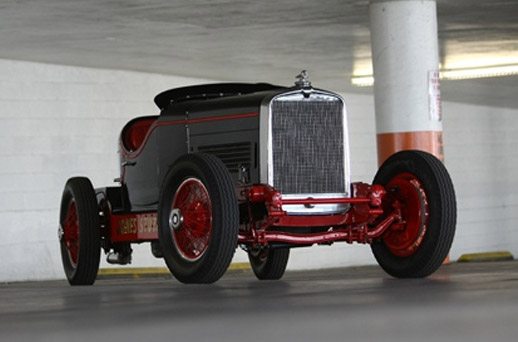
390	143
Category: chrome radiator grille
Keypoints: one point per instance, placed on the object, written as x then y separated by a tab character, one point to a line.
307	137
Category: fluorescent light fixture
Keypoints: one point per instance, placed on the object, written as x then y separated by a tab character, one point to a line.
362	80
454	74
362	70
480	72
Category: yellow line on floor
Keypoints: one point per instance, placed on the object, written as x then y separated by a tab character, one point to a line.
486	256
137	272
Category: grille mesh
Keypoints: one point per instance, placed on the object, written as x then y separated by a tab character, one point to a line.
232	155
307	143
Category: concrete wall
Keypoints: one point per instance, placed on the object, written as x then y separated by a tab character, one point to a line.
58	121
481	151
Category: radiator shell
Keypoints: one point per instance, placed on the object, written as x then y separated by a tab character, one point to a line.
304	148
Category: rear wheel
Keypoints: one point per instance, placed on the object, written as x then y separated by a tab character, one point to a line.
79	232
421	190
198	219
269	264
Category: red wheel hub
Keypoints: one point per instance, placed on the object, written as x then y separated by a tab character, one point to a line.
409	197
192	203
71	232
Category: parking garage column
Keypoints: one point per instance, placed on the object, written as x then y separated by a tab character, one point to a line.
406	88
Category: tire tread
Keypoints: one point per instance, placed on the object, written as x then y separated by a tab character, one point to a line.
220	255
273	267
81	190
429	260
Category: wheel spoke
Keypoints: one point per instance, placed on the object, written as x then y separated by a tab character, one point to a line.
192	238
410	198
71	232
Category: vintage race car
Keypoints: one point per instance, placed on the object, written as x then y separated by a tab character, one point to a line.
258	166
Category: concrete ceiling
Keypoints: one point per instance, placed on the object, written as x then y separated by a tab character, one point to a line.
269	40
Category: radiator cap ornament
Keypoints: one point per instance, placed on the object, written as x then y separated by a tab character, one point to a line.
303	80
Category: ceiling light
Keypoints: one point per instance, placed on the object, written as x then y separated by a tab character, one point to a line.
453	74
362	81
479	72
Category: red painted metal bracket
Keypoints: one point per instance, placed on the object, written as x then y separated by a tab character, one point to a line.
361	223
358	224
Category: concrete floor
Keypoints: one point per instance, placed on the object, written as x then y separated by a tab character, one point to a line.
461	302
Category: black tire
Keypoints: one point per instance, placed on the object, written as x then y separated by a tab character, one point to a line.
435	196
79	215
208	176
269	264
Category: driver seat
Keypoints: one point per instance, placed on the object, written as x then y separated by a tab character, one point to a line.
135	131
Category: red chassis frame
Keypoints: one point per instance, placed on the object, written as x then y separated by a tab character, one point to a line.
359	224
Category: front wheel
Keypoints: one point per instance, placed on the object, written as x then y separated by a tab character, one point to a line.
421	191
198	219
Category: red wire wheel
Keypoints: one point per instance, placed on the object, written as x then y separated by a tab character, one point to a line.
194	227
409	197
71	233
198	218
79	232
421	191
